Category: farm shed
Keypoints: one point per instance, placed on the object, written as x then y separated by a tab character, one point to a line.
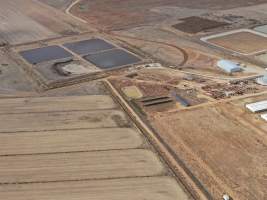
229	66
257	107
262	80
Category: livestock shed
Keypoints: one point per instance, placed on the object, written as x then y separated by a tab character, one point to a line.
229	66
260	106
264	116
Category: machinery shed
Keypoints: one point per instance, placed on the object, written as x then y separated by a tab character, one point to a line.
260	106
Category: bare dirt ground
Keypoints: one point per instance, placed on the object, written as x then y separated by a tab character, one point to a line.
242	42
133	13
28	21
13	78
188	55
196	24
224	153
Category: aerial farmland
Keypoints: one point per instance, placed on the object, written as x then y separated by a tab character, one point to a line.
138	100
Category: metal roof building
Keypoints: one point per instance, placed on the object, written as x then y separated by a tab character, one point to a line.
262	80
264	116
257	107
229	66
261	29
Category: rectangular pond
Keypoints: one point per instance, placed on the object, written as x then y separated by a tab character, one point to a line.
89	46
39	55
112	58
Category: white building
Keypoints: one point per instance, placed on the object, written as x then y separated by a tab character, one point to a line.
260	106
262	80
264	116
229	66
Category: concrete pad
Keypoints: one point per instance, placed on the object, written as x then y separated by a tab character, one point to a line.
74	69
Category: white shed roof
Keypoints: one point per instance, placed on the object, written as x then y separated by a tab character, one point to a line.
262	80
264	116
229	66
258	106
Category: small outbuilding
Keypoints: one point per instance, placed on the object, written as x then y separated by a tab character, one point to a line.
229	66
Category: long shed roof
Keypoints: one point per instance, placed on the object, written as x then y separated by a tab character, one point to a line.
229	66
258	106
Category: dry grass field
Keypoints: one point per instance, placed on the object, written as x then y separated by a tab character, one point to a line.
65	141
13	78
53	104
77	147
220	149
114	189
79	165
